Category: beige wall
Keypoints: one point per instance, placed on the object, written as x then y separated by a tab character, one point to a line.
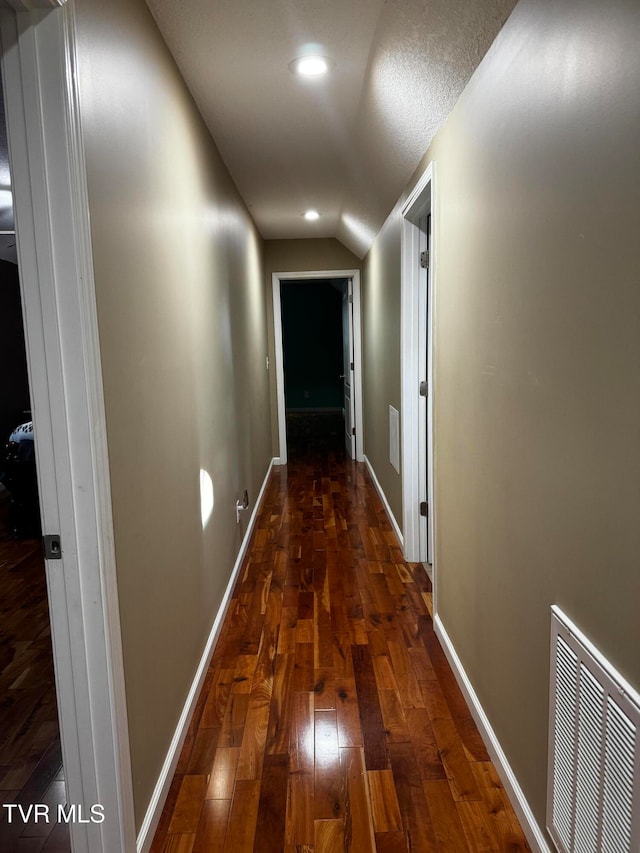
181	304
537	387
381	356
298	256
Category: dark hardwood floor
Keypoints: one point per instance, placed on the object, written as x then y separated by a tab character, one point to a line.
30	756
330	719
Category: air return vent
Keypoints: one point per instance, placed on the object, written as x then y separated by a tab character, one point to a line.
593	801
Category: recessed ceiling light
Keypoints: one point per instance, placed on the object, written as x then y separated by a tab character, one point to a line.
312	215
310	66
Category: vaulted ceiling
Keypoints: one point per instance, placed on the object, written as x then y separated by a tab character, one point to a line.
347	143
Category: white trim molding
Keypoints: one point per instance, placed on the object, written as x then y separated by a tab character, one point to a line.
63	356
276	278
161	790
385	502
534	834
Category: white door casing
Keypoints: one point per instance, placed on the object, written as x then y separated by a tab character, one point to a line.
63	356
417	353
354	275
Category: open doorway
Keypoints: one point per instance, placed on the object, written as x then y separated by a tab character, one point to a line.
315	350
31	770
45	144
318	360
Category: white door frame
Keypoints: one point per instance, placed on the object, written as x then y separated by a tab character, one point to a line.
416	341
63	356
276	278
347	376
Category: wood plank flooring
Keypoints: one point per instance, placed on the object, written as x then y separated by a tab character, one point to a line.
330	719
30	756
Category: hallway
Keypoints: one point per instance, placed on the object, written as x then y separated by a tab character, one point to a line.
330	719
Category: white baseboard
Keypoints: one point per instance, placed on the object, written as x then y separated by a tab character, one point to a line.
385	502
535	835
152	817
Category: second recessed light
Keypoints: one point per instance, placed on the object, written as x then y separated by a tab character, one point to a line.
312	215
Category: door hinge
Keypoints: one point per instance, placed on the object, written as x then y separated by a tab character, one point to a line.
424	509
424	389
353	367
350	299
424	260
353	430
52	547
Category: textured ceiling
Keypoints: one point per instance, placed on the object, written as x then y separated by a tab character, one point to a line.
345	144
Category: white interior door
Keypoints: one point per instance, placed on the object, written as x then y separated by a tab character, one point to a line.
416	342
424	403
45	141
348	369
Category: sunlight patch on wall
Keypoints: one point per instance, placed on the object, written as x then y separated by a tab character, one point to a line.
206	497
254	274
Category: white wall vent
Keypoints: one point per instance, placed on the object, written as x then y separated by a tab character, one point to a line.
593	795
